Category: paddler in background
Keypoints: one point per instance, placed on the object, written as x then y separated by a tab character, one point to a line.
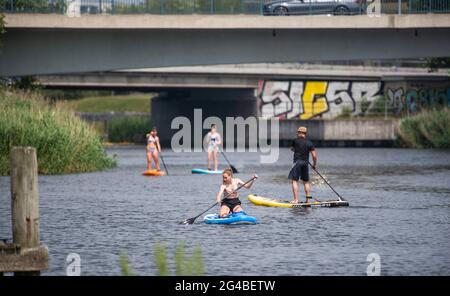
300	169
213	140
153	147
231	202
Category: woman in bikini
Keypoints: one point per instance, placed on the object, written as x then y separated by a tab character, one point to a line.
230	202
153	147
213	139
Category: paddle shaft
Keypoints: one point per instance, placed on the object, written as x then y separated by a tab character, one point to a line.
162	159
232	167
340	197
224	198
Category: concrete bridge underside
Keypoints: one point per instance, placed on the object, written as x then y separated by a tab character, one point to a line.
219	103
58	44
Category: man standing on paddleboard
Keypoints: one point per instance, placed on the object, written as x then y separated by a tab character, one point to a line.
300	170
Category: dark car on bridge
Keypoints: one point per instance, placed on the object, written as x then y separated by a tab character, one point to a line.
306	7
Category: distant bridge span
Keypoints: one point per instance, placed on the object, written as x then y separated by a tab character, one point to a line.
230	76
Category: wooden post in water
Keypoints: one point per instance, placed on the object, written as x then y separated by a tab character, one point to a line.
25	200
25	255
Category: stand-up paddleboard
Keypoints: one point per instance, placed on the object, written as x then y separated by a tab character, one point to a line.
233	218
202	171
272	202
153	173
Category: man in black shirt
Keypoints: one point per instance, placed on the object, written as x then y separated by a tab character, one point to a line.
300	170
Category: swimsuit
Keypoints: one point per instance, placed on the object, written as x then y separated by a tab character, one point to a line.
213	139
231	203
234	201
151	139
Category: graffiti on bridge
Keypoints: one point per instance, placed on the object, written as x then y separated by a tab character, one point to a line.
309	99
413	100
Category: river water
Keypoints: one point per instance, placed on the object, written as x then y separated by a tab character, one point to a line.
399	209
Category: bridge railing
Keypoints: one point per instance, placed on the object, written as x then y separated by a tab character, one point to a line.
308	7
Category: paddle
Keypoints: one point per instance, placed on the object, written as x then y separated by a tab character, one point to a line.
191	220
160	154
235	171
340	197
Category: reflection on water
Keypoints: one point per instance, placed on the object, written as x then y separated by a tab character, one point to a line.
399	208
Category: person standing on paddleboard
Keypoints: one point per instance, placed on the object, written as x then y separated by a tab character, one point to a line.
231	202
213	140
300	170
153	147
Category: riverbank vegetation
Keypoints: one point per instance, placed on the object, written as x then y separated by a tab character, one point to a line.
130	129
184	266
113	103
126	128
428	129
64	143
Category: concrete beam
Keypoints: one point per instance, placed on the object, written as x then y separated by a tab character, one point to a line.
146	81
225	22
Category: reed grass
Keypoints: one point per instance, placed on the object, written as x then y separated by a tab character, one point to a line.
128	129
64	143
124	265
135	102
428	129
184	266
188	266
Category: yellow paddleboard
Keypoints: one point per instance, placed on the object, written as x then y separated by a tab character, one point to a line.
271	202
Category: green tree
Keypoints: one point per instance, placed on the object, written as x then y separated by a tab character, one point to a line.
436	63
33	5
27	83
2	24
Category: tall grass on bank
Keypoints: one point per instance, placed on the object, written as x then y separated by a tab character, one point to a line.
128	129
64	143
125	265
134	102
429	129
191	266
184	266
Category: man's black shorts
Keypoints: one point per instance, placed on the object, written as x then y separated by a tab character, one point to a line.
299	170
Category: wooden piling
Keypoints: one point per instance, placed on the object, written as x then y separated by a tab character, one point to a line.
25	256
25	197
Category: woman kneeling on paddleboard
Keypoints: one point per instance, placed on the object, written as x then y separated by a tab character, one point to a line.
153	147
230	202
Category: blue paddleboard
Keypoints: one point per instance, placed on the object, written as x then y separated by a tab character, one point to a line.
202	171
234	218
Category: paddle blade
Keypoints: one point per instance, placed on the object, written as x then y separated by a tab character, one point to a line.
188	221
235	171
